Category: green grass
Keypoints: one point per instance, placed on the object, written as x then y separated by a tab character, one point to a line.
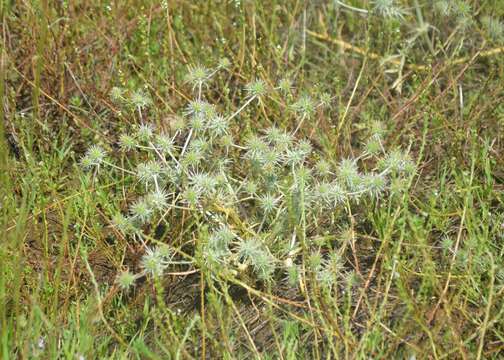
421	270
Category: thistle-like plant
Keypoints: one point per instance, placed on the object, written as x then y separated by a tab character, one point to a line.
253	191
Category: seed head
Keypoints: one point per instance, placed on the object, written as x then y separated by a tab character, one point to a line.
164	143
94	156
145	132
285	85
256	88
140	100
117	94
158	200
148	172
125	280
127	142
141	210
268	203
153	262
305	106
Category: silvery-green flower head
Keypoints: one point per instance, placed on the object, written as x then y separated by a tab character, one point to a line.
285	85
273	134
256	88
148	172
125	280
201	145
218	125
164	143
192	158
224	63
153	262
219	242
117	94
323	167
200	108
398	162
140	100
127	142
268	203
373	145
145	132
388	9
158	200
256	147
94	157
191	196
197	75
205	183
123	224
374	184
349	173
304	106
249	249
141	210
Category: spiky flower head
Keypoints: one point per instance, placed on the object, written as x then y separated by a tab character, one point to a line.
204	183
197	75
164	143
141	210
256	88
140	99
191	196
374	184
273	134
325	99
224	63
284	141
349	173
328	194
125	280
117	94
304	106
123	224
149	172
249	249
285	85
251	187
153	262
201	145
256	147
127	142
192	158
226	141
323	167
200	108
264	266
294	156
145	132
94	156
268	203
398	162
373	145
269	160
218	125
158	200
219	242
388	9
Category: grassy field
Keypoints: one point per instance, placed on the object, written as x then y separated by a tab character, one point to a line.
230	179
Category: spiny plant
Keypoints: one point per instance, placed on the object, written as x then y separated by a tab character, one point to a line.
266	198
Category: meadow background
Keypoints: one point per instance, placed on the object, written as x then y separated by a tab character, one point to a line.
419	272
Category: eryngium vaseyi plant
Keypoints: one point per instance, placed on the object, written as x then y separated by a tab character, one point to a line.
260	202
